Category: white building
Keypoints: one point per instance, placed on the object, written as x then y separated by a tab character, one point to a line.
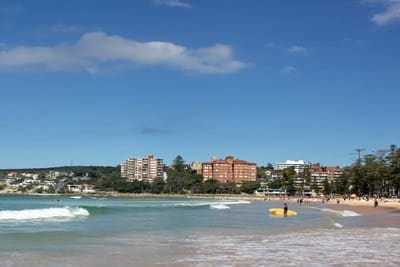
80	188
142	169
196	166
299	166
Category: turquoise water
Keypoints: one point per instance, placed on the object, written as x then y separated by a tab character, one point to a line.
63	231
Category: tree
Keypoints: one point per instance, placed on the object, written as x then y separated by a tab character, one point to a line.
269	167
277	183
211	186
314	185
229	188
182	179
261	172
174	181
290	188
248	187
179	164
375	174
327	190
394	169
288	175
157	187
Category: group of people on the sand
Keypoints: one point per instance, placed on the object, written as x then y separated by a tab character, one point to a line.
300	201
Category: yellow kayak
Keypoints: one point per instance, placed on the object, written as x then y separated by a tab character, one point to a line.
279	212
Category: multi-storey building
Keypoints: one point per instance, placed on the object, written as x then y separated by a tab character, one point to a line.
333	173
142	169
229	170
196	166
318	178
300	167
319	174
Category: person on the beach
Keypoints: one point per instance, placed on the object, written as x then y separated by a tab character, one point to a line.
376	203
285	209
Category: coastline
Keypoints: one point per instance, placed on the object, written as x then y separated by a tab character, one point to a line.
348	203
146	195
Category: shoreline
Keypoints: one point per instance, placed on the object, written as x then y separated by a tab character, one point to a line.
386	203
143	195
359	206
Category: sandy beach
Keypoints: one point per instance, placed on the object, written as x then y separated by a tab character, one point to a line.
387	214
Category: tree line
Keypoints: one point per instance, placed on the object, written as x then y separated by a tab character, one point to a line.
373	174
376	174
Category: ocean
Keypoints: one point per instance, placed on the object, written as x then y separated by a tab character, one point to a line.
66	231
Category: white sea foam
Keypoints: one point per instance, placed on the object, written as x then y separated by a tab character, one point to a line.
211	204
41	214
309	248
349	213
338	225
343	213
219	207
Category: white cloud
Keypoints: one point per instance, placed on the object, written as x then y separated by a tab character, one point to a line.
173	3
288	69
390	14
297	49
96	51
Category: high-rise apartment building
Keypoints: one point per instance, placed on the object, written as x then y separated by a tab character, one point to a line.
142	169
300	167
229	170
319	174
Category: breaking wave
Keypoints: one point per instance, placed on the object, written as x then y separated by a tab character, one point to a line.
349	213
42	214
338	225
343	213
219	207
214	205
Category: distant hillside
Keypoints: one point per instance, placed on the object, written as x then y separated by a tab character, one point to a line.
92	171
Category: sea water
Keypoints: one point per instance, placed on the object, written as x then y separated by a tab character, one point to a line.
65	231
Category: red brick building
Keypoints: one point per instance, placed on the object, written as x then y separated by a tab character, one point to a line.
229	170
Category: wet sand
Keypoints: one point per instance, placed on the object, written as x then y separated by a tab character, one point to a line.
385	215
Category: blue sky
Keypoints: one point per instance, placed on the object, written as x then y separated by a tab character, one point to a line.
95	82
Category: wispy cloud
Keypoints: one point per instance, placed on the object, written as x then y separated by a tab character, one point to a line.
10	9
288	69
61	28
127	131
297	49
97	51
391	12
173	3
294	49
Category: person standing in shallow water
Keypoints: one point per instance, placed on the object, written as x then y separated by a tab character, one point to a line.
285	209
